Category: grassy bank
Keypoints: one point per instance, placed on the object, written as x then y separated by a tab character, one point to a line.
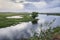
6	22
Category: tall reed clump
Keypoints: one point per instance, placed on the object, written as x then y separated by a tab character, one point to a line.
46	34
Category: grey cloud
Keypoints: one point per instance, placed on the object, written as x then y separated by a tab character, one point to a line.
33	0
53	4
17	1
51	10
30	6
48	1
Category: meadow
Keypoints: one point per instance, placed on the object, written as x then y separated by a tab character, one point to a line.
6	22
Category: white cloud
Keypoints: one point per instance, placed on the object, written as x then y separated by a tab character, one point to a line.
41	4
18	1
23	5
51	10
54	3
7	4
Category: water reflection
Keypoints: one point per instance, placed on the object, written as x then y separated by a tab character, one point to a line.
18	31
49	18
25	29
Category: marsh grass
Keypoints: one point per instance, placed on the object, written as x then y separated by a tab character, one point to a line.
6	22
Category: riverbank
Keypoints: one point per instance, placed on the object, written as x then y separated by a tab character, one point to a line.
5	22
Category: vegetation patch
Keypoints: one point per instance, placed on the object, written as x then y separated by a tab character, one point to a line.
7	22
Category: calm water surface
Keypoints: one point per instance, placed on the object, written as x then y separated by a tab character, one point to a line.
49	18
25	29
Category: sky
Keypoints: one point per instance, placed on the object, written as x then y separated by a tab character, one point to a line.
44	6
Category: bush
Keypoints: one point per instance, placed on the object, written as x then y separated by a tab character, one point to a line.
34	15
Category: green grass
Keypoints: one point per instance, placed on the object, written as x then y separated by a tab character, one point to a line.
6	22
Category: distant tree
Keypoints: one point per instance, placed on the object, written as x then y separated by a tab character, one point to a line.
34	15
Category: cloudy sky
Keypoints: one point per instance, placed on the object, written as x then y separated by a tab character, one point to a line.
52	6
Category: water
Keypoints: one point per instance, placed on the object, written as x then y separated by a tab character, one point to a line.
25	29
18	31
14	17
49	18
